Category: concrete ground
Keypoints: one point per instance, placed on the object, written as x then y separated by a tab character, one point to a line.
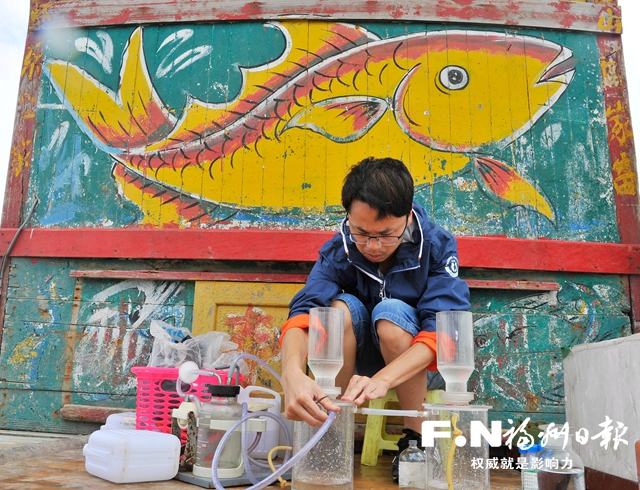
37	461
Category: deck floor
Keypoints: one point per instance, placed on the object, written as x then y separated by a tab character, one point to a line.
65	469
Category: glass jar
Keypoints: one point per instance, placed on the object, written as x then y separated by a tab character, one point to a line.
215	418
329	464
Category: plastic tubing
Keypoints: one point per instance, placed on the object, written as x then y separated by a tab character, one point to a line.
246	451
233	366
391	413
183	395
243	445
285	465
187	396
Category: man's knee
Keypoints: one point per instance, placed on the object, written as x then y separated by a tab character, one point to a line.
392	335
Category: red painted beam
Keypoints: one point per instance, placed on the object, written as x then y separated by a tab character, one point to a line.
303	246
559	14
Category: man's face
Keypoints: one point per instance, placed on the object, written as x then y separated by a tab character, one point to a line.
363	222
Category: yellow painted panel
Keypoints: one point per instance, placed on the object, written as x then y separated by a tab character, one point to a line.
252	313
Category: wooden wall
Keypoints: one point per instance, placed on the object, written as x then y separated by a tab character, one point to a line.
208	138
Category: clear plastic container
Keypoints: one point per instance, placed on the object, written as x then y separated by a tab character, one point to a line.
450	465
326	326
529	472
214	419
329	464
412	469
454	333
560	468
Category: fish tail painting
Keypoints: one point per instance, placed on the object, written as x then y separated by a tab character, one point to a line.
336	93
504	182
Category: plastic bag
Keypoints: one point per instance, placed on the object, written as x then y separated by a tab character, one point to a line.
209	350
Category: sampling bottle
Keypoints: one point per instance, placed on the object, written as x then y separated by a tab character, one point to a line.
560	467
412	470
529	472
329	463
215	418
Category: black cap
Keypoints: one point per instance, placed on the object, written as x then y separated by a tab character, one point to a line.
224	390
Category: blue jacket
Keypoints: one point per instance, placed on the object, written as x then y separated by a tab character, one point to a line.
424	274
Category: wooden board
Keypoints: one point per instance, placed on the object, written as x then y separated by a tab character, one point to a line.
295	246
595	17
252	314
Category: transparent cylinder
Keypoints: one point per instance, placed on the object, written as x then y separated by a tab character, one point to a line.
454	334
561	468
224	410
326	326
329	464
464	467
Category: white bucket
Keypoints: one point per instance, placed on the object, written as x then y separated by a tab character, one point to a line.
270	437
132	456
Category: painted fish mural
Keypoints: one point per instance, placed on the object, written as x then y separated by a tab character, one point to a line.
437	100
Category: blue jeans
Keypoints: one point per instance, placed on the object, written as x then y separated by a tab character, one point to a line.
369	359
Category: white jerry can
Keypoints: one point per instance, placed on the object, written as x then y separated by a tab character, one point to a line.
132	456
271	436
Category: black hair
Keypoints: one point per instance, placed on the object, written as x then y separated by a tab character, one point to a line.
385	184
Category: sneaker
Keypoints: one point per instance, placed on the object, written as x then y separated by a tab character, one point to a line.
403	443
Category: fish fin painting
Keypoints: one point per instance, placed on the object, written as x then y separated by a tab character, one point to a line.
504	182
443	101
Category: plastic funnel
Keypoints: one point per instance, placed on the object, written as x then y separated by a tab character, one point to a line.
454	334
326	326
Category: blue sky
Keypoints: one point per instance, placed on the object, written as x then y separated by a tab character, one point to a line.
13	31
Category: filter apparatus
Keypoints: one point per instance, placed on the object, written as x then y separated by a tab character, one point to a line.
454	334
326	327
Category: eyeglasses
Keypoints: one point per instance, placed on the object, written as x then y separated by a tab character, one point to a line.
385	240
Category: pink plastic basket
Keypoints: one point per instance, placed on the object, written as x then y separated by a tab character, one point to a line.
156	396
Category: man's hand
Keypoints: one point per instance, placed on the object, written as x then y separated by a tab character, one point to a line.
362	388
303	398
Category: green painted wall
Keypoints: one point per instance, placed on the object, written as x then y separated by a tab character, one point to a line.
46	360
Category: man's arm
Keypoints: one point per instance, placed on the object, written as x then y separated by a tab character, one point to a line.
301	393
404	367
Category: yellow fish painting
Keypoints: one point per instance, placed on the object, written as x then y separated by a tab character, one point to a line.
436	100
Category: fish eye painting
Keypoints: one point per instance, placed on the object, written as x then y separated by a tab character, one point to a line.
255	124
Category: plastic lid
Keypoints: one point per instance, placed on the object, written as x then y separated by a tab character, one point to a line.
456	398
224	390
534	448
331	391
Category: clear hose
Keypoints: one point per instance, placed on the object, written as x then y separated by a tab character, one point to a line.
234	366
286	465
392	413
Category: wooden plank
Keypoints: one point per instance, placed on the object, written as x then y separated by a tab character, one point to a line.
529	383
252	314
592	17
303	246
39	411
23	132
293	278
519	285
88	413
622	153
189	275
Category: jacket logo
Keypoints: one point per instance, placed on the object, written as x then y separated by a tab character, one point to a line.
452	266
